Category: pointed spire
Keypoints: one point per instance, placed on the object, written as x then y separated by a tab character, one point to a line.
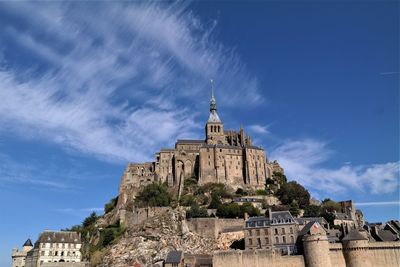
213	104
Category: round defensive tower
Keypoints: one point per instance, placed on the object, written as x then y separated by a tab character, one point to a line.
316	250
356	250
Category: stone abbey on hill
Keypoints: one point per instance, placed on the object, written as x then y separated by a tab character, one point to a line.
224	156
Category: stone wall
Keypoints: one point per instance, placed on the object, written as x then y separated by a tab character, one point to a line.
212	227
255	258
385	253
382	254
139	215
336	255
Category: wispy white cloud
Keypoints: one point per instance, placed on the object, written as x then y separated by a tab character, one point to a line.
379	203
259	129
12	172
113	87
302	160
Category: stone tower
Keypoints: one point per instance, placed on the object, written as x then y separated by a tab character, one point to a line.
316	246
214	127
356	249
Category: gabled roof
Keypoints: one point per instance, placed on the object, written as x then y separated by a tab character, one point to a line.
307	228
28	243
174	257
304	220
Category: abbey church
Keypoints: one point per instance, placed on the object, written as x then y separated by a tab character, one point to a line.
224	156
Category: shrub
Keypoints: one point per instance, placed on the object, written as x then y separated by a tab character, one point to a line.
249	209
89	220
330	205
261	192
196	211
293	191
111	205
154	195
231	210
312	211
241	192
215	201
187	200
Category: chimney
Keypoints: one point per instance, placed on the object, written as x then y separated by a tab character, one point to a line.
270	213
246	216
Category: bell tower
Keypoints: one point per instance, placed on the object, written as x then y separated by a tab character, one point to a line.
214	127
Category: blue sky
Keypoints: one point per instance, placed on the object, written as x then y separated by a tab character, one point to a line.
86	88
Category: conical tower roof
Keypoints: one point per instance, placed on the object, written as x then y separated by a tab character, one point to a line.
28	243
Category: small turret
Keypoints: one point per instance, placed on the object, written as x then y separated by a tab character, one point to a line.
27	246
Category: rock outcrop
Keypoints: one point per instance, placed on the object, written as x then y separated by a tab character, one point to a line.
144	244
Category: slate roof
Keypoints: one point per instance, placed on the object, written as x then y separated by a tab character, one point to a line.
306	229
214	117
387	236
354	235
304	220
342	216
174	257
281	217
28	243
59	237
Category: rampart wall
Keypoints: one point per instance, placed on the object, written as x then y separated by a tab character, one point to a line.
255	258
382	254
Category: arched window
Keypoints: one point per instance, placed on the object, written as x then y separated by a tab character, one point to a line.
292	239
284	239
277	240
219	128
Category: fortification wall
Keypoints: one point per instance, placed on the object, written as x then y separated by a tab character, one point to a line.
385	254
382	254
139	215
211	227
255	258
336	255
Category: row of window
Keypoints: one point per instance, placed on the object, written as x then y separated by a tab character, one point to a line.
58	245
278	240
62	253
215	128
266	231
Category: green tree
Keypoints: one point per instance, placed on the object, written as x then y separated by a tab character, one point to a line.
293	191
280	177
88	221
187	200
231	210
110	205
330	205
215	201
312	211
154	195
294	209
196	211
249	209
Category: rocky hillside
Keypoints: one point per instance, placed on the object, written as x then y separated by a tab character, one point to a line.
146	243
